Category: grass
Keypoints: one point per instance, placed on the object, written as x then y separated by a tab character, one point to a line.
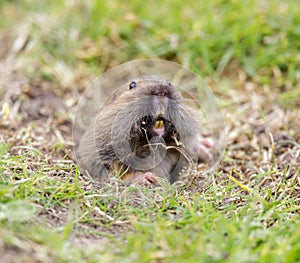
248	211
69	33
222	224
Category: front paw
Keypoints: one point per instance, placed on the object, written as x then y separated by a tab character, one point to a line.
205	146
141	178
200	149
147	178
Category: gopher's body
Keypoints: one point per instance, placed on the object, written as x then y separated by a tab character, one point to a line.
145	126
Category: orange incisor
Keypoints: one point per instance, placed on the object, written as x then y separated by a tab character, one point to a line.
159	124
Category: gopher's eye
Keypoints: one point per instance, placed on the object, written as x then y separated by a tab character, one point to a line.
132	85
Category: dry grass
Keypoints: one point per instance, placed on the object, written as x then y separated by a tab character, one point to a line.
254	197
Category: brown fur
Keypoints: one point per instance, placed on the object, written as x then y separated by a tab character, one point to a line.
122	122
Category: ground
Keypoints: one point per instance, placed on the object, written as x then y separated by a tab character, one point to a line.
247	211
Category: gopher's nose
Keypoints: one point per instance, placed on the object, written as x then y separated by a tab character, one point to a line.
161	93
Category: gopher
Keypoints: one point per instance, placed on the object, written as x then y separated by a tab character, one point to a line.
145	130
